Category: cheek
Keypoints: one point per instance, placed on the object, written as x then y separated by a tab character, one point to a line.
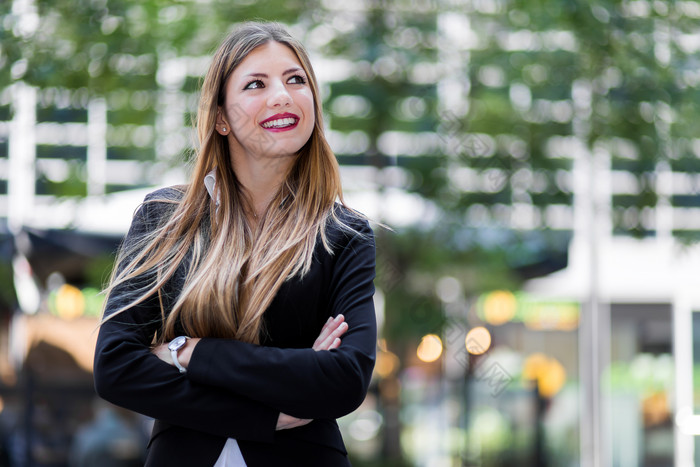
310	123
240	115
309	100
309	109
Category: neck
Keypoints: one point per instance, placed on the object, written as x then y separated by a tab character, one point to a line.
261	180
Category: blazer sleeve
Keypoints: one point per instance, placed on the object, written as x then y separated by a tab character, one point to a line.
127	374
302	382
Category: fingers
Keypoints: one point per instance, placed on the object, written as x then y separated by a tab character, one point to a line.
329	337
335	344
295	424
285	422
330	326
333	340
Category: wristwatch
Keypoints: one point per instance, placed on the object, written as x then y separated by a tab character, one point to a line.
175	345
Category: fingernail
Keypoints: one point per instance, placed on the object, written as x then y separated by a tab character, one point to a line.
338	318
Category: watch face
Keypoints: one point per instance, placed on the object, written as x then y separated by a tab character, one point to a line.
176	343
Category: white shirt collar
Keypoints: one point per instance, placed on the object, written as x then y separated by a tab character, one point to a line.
210	184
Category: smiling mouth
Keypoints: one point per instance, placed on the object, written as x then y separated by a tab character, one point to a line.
279	123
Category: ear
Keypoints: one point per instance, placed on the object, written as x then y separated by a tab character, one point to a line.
222	126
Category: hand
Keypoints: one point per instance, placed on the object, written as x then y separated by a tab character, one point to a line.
328	339
330	334
285	422
183	355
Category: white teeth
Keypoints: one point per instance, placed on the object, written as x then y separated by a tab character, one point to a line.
280	123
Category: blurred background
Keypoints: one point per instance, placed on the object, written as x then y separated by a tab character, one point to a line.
539	294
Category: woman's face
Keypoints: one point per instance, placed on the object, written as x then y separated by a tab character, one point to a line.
269	106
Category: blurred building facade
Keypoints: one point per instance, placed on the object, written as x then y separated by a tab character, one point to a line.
527	121
597	109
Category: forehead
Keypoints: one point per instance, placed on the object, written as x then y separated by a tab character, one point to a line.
268	57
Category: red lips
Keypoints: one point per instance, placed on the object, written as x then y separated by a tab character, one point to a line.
279	116
285	122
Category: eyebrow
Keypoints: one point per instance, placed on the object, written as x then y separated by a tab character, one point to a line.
286	72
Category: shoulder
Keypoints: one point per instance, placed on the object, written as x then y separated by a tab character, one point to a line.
343	215
346	226
158	204
166	195
162	197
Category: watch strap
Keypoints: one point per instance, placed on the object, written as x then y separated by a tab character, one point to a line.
174	346
173	354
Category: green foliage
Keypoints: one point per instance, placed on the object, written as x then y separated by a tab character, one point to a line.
526	59
633	63
114	49
411	261
7	293
98	271
113	45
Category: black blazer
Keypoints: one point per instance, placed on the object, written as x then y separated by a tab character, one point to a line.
235	389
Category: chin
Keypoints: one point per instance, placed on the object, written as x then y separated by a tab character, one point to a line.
287	148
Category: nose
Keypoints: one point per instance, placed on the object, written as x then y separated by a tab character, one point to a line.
279	96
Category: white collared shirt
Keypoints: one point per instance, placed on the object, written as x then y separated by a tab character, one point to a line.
210	184
231	455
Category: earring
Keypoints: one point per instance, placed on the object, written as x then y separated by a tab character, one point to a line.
223	129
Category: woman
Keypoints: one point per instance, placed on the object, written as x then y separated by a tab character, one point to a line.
260	271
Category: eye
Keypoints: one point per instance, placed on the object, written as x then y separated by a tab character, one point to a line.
255	84
297	79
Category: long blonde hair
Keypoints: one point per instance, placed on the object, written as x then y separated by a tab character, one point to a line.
232	271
